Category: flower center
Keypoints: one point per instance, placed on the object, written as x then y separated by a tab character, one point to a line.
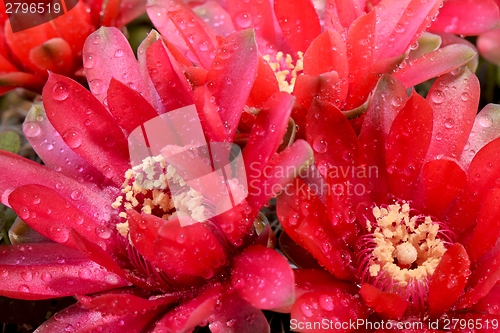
401	252
146	190
285	70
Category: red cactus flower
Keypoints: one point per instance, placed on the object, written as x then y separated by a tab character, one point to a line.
403	215
113	234
56	46
335	51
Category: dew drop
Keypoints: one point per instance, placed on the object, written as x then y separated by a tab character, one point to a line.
24	213
27	276
46	277
84	273
485	121
76	195
320	144
118	53
97	86
243	20
31	129
449	123
89	61
306	309
60	91
293	219
465	96
112	279
326	302
437	96
58	233
73	139
23	288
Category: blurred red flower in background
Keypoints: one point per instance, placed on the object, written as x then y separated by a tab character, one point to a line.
26	56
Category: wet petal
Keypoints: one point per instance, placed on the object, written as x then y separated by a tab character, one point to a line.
489	46
49	270
388	305
263	278
326	53
67	103
449	279
54	55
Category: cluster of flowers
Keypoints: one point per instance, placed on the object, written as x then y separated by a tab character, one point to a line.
390	202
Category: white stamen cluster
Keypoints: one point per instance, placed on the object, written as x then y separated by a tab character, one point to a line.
285	70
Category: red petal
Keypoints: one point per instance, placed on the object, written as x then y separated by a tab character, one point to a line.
49	270
123	302
76	318
434	64
257	15
454	99
16	171
315	307
443	181
197	35
168	79
449	279
326	87
234	315
265	85
231	76
209	115
483	279
308	280
489	46
216	16
110	10
387	100
128	107
67	103
400	23
55	153
326	53
387	305
360	42
487	231
107	54
407	145
197	250
12	80
455	17
280	171
54	55
490	303
486	128
144	232
298	21
188	315
482	176
271	124
53	216
263	278
346	11
129	11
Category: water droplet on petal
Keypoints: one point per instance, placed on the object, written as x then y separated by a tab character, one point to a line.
85	273
306	310
485	121
76	195
243	20
320	144
58	233
31	129
89	60
73	139
23	288
27	276
437	96
60	91
326	302
46	277
112	279
118	53
97	86
449	123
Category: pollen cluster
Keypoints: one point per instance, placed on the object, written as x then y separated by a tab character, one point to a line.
406	248
285	69
146	190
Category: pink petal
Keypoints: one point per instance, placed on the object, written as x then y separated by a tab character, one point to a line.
387	100
67	103
293	160
54	55
128	107
327	53
387	305
489	46
486	128
82	320
197	35
257	15
490	303
16	171
360	41
449	279
400	23
216	17
455	17
454	98
234	315
169	81
271	124
434	64
298	21
49	270
231	76
107	54
326	87
53	216
406	146
346	11
487	231
337	306
129	11
122	302
442	181
449	39
188	315
55	153
265	85
263	278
